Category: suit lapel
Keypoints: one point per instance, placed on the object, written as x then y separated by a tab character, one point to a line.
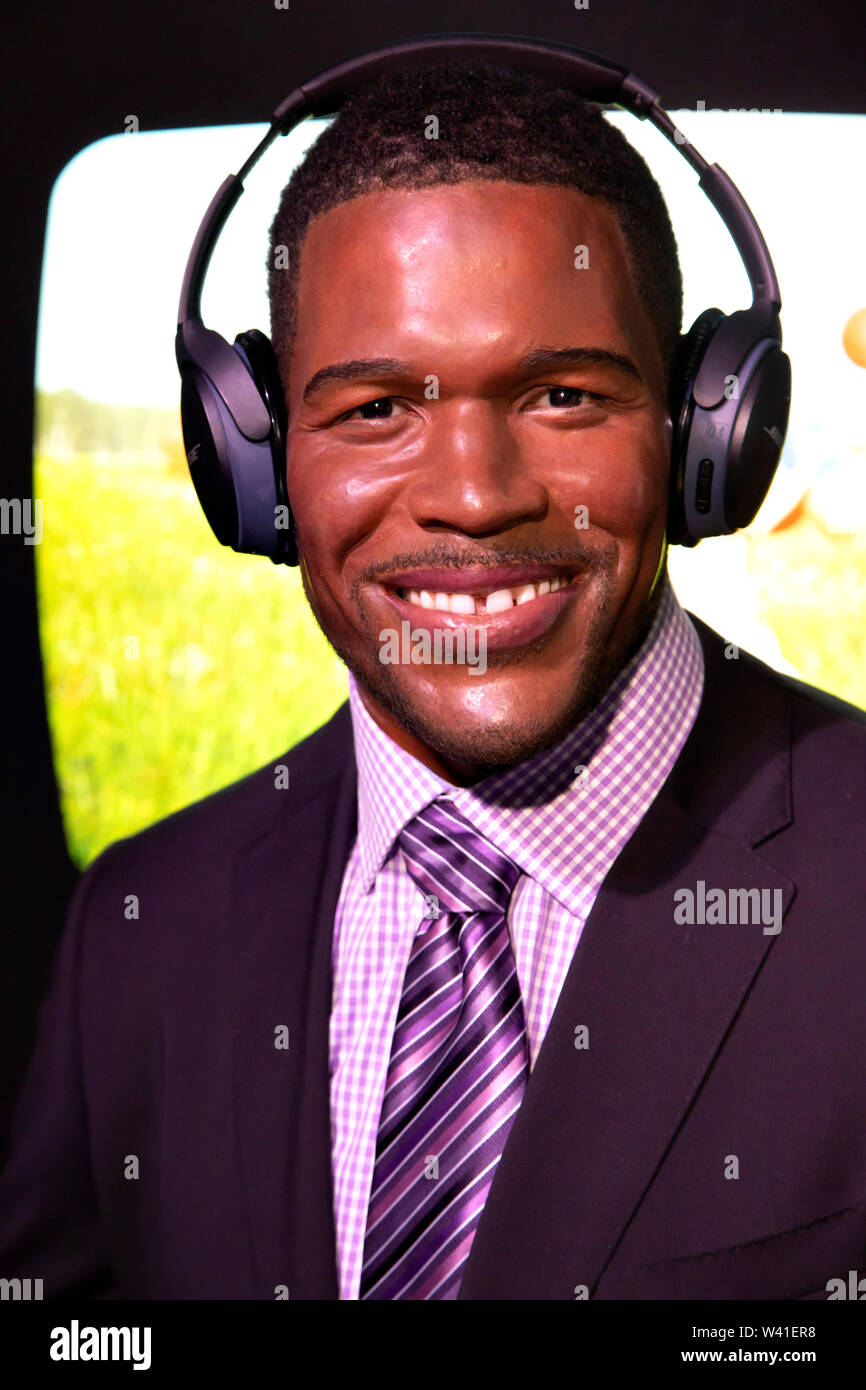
656	997
281	928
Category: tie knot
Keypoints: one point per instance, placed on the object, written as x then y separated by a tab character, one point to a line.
451	861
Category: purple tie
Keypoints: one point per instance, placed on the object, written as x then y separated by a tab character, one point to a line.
458	1068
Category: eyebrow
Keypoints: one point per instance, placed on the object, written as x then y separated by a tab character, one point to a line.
537	360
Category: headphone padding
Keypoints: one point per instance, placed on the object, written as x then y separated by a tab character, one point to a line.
686	365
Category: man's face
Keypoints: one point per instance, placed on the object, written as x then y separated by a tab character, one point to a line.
457	455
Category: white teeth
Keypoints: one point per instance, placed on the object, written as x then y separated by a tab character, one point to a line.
453	603
497	602
462	603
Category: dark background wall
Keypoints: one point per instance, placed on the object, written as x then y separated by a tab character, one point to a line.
69	74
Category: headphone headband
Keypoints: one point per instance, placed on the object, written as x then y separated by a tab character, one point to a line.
587	74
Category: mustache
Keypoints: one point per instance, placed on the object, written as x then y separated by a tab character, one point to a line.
445	556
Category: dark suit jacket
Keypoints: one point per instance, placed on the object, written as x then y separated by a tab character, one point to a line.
707	1043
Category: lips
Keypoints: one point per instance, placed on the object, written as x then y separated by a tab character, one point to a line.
517	617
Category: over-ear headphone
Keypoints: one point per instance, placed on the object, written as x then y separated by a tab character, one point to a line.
731	383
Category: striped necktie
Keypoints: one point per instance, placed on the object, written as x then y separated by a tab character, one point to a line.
458	1069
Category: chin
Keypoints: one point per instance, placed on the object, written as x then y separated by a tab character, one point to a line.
491	749
498	719
447	724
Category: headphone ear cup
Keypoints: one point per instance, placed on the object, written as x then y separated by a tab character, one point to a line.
207	452
757	433
686	364
735	392
226	431
258	353
233	420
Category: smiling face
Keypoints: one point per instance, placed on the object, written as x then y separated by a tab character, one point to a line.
477	439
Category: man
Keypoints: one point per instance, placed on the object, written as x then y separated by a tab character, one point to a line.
530	977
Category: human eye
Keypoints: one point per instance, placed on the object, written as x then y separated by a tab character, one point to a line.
570	397
379	409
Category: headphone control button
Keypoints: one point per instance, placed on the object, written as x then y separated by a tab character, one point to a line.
704	488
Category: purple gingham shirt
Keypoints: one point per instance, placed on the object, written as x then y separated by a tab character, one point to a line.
564	848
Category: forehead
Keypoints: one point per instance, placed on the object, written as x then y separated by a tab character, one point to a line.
461	269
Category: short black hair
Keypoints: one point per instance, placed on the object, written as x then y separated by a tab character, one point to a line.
494	123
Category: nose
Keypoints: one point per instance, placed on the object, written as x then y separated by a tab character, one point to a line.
472	476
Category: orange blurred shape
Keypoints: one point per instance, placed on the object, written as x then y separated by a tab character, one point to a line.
791	518
854	337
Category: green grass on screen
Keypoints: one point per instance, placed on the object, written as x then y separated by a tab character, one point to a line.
231	668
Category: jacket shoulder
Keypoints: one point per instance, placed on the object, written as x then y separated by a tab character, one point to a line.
199	838
752	714
810	701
